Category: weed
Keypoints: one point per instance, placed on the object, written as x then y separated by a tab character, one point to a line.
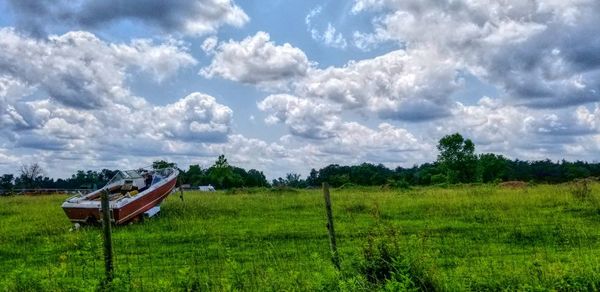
580	189
384	264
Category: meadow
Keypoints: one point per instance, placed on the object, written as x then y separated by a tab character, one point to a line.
457	238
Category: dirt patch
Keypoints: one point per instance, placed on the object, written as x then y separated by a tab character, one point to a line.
514	184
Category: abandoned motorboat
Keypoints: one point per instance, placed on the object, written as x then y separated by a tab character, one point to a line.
131	193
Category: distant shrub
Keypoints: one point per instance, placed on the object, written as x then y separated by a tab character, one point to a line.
443	185
580	189
244	190
284	190
234	191
438	179
347	186
400	184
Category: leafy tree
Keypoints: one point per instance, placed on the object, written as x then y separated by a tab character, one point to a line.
457	158
221	162
438	179
160	164
545	170
519	170
369	174
313	178
255	178
6	183
221	174
574	170
294	180
335	175
105	175
278	182
195	175
492	167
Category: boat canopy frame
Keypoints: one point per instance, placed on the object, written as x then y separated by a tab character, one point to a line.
133	174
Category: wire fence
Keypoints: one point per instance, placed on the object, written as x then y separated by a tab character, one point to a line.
251	255
249	262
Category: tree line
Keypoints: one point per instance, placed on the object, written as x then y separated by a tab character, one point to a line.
456	163
220	175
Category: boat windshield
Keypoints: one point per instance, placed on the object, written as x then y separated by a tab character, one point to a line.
123	175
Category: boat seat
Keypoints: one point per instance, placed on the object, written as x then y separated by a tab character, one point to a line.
127	187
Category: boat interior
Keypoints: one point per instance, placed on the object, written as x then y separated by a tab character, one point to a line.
130	183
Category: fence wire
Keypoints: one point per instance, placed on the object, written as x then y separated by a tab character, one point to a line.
249	259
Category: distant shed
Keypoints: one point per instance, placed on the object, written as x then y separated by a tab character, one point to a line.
207	188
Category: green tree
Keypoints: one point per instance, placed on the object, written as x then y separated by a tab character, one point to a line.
256	178
457	158
195	175
221	173
492	167
294	180
6	183
160	164
313	178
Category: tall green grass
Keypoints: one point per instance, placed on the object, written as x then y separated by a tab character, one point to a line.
455	238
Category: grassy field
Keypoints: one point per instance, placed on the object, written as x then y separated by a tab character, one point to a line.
448	239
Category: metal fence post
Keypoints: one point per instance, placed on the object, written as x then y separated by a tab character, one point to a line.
332	243
106	226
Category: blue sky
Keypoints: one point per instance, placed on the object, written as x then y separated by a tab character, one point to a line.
286	86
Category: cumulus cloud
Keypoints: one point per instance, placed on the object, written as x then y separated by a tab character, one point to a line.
116	131
330	135
80	70
519	131
196	17
399	85
540	53
69	94
196	117
162	60
304	117
257	60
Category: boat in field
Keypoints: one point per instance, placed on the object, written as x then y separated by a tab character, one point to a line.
131	193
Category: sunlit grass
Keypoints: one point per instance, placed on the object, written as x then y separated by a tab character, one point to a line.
465	237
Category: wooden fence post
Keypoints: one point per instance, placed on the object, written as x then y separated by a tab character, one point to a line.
332	243
180	189
106	226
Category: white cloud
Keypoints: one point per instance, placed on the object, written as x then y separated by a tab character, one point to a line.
330	37
196	117
80	70
402	85
526	48
209	45
257	60
329	135
67	96
162	61
367	41
304	117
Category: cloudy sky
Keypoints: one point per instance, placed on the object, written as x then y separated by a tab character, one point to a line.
287	86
